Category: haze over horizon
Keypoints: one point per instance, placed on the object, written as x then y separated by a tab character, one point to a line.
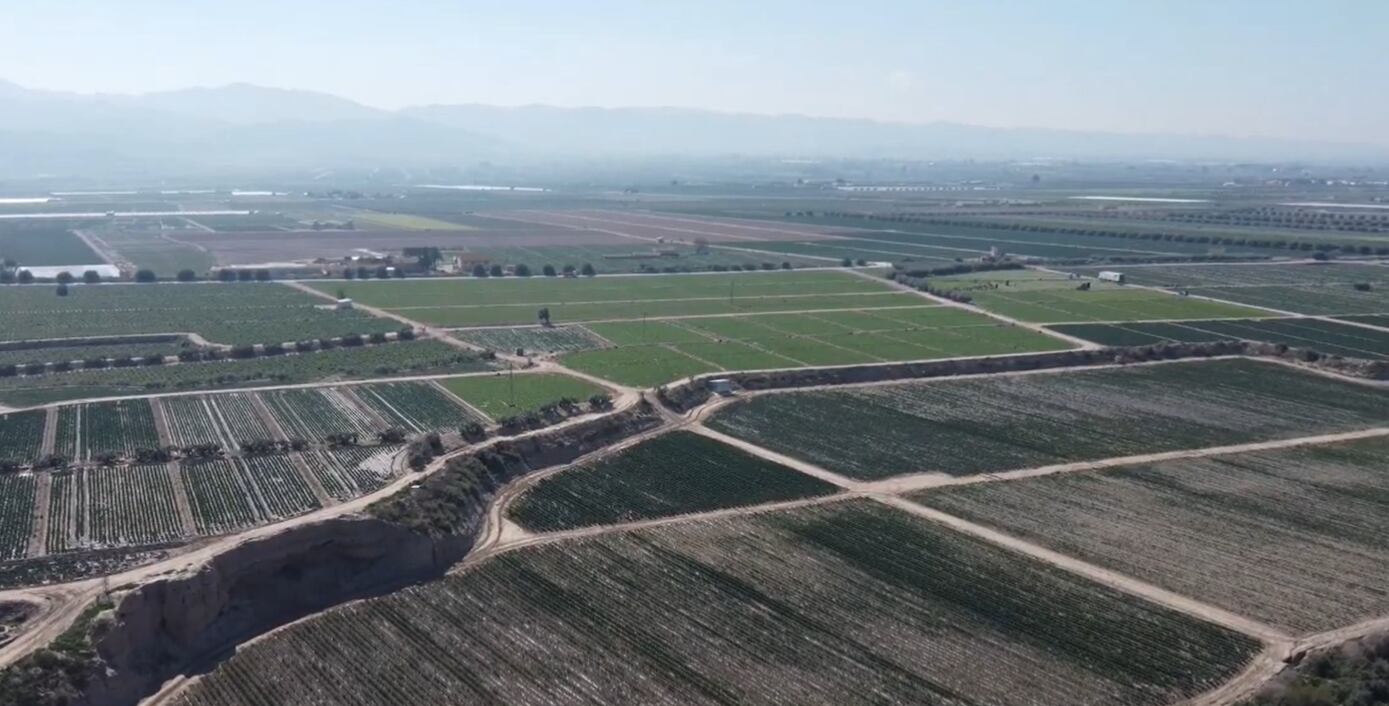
1231	69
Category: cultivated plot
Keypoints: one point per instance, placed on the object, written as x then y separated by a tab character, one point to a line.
100	508
1296	538
503	395
222	313
45	246
21	436
1040	297
1316	334
673	474
413	406
989	424
653	352
351	471
481	302
532	340
90	430
817	605
1316	289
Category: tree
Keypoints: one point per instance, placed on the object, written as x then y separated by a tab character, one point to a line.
244	276
383	272
523	270
146	276
64	277
587	270
845	262
568	270
495	271
548	271
544	316
479	271
91	277
26	277
186	276
363	272
262	275
348	273
785	265
62	289
225	275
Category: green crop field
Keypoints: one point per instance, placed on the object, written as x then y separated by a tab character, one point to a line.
44	246
625	259
983	425
659	351
1315	289
404	358
21	435
485	302
222	313
673	474
72	353
504	395
1296	538
532	339
819	605
412	406
1316	334
1047	298
16	514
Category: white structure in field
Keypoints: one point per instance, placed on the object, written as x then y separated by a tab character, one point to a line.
344	304
51	272
1112	276
721	386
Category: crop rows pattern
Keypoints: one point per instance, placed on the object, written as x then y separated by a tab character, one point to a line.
313	414
1316	334
21	435
352	471
67	511
982	425
1296	538
414	406
99	508
820	605
279	486
222	496
673	474
122	426
191	421
532	339
16	514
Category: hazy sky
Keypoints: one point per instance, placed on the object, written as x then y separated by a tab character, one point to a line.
1311	69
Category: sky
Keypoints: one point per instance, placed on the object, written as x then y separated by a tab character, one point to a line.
1309	70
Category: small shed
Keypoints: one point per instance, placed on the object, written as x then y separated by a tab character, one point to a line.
1112	276
343	304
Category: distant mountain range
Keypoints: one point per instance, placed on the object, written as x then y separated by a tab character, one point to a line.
242	126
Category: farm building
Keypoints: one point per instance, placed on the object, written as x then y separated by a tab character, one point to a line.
1111	276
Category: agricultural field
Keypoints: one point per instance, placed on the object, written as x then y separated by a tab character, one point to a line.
654	352
1315	334
819	605
1314	289
16	514
222	313
351	471
634	258
100	508
413	406
404	358
488	302
1296	538
88	430
21	436
315	413
673	474
232	494
193	420
999	423
42	246
279	487
502	395
156	244
532	339
1046	298
405	221
73	353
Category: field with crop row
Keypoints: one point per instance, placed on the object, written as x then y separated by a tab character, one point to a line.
33	246
503	395
408	358
234	494
1046	298
532	339
69	354
88	430
1316	334
98	508
1296	538
313	414
1316	289
673	474
193	420
351	471
475	302
982	425
280	488
818	605
653	352
617	259
223	313
414	406
21	435
16	514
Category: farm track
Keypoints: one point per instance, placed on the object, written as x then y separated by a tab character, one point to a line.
43	493
182	505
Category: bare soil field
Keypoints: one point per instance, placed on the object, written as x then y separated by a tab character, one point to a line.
1296	538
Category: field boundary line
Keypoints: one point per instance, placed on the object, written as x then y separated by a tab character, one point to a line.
356	400
458	399
796	464
38	530
1141	589
311	479
161	422
928	481
1265	665
50	432
754	297
182	505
